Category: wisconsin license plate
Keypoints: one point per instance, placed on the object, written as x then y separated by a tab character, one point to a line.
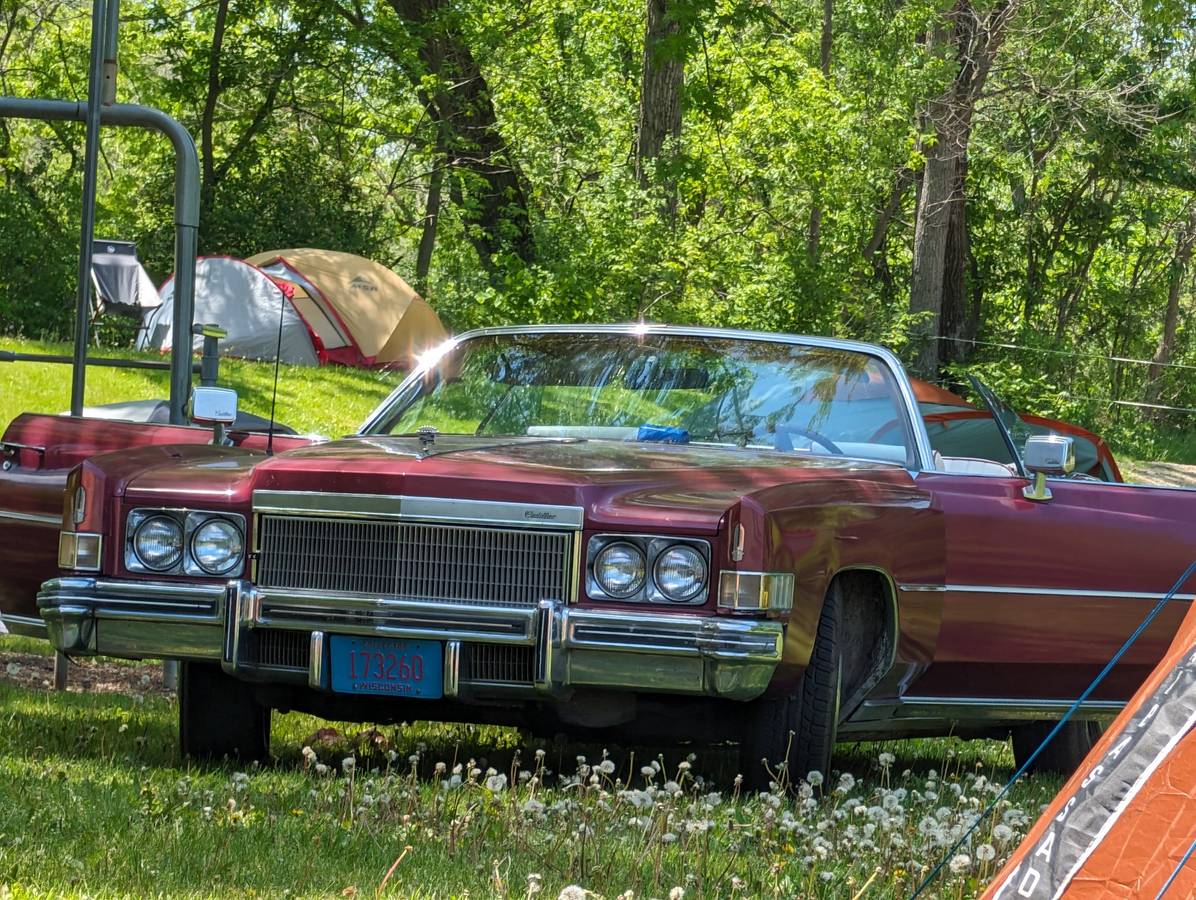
363	665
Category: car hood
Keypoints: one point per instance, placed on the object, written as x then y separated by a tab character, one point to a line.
687	487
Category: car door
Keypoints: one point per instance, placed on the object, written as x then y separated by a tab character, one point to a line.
1039	595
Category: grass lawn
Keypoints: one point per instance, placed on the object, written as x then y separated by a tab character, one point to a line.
95	801
331	401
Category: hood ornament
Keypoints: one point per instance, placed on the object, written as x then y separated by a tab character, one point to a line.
427	438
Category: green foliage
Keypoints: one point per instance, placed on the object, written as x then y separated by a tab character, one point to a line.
317	126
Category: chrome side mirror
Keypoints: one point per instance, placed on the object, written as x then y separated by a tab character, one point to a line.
1046	454
213	406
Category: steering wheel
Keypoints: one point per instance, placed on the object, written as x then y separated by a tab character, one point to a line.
782	439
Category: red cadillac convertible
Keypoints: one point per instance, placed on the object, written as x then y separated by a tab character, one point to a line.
645	532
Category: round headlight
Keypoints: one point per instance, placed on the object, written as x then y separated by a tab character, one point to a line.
680	572
158	543
216	546
619	569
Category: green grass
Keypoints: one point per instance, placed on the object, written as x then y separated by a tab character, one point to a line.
94	800
331	401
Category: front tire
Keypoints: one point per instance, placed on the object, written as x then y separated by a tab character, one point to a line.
799	731
1063	754
219	717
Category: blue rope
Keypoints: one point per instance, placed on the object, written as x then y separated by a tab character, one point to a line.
1175	874
1150	617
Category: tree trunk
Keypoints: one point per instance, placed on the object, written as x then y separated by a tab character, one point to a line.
496	204
207	118
427	238
1179	270
814	232
937	288
660	94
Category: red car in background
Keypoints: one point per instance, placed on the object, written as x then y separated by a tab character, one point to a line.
957	428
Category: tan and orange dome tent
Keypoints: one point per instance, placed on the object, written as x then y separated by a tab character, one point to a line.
359	312
1124	825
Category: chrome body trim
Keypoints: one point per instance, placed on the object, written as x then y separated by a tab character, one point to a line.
33	518
452	668
720	656
23	625
385	616
711	637
923	456
1039	591
316	665
140	620
975	710
418	509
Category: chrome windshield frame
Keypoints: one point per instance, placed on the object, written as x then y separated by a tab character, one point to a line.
923	456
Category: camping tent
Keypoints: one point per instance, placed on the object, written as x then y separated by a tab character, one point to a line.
121	283
245	302
335	307
1123	824
362	313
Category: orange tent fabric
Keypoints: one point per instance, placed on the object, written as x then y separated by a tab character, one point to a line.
361	312
1123	822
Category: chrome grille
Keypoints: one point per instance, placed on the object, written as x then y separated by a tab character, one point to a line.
448	563
495	662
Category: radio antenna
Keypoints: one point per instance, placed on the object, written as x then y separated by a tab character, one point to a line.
282	309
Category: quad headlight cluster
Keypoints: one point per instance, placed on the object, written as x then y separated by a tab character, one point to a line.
184	542
647	569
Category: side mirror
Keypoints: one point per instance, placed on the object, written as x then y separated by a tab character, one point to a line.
1046	454
214	406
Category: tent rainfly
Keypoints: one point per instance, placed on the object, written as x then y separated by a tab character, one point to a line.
334	308
1124	825
361	313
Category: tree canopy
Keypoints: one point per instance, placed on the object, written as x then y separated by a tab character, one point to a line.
995	185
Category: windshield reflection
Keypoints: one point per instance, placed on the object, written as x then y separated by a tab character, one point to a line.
660	388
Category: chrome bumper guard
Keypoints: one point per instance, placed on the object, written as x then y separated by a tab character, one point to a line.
572	647
138	619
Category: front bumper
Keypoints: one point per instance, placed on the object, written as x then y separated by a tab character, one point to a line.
565	646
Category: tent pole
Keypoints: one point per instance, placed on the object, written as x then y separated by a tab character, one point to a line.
186	215
91	154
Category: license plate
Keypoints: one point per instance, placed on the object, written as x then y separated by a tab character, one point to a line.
363	665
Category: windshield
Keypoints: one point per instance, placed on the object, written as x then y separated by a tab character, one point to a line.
660	388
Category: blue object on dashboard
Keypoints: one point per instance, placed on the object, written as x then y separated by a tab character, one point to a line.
663	434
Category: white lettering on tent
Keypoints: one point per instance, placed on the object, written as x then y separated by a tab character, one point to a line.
1121	745
1149	715
1026	888
1006	884
1066	809
1092	776
1048	844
